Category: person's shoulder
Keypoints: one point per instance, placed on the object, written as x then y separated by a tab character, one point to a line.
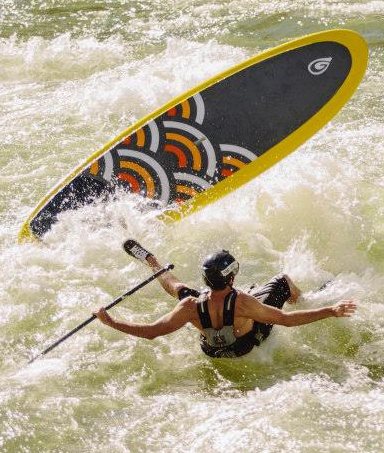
188	303
244	297
241	294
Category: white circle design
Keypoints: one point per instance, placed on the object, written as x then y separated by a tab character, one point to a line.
158	169
193	179
207	145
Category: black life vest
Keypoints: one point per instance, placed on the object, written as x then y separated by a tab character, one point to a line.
223	342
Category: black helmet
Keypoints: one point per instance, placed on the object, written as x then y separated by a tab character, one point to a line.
219	268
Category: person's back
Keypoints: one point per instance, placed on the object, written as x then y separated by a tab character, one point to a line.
216	301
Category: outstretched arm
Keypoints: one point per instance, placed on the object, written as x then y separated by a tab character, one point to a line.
344	309
253	309
170	283
168	323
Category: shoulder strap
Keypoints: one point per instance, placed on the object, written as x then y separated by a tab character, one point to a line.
229	308
202	310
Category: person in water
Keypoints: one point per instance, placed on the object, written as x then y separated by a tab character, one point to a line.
231	322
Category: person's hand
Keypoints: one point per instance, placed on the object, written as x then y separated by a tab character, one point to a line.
103	316
345	309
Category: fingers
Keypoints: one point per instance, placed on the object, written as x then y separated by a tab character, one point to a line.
349	305
346	308
103	316
102	311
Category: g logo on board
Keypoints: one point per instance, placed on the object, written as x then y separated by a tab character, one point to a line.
319	66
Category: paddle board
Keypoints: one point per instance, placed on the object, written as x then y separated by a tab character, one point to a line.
219	135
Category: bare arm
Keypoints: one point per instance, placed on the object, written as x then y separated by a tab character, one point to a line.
344	309
170	283
257	311
168	323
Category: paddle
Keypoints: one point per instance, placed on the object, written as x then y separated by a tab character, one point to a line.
112	304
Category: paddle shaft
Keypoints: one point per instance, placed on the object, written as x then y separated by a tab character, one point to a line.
112	304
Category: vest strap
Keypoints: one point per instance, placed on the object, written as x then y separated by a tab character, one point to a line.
229	308
202	309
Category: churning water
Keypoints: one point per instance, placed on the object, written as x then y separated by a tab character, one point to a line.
73	75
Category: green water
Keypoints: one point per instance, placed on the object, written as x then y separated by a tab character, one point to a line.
73	75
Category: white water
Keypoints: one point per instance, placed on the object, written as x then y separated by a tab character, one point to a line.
74	77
